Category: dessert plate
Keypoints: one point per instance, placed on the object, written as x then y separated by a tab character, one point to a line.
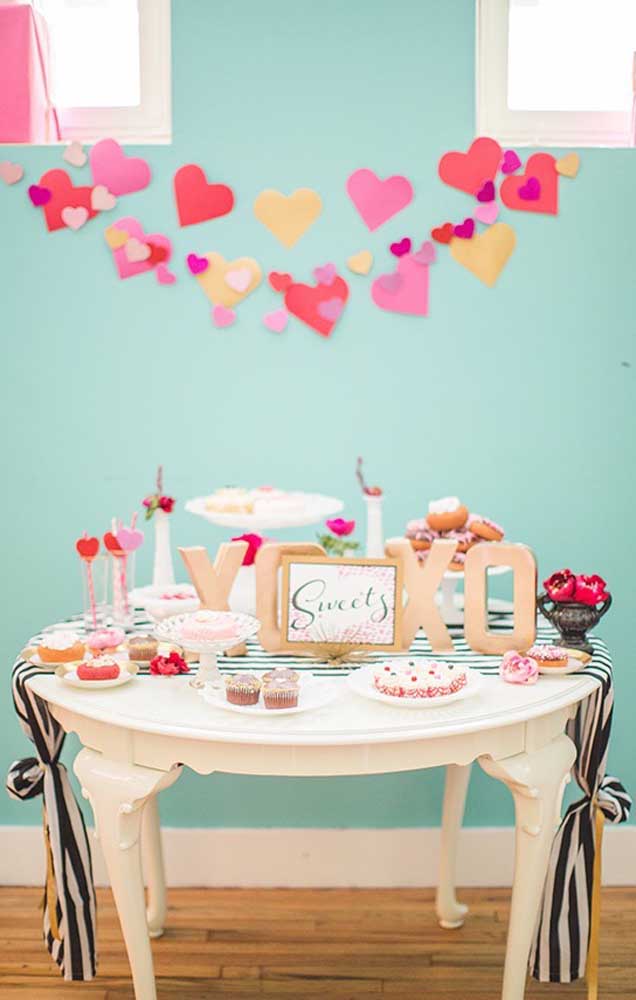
37	662
573	666
361	681
316	507
74	681
313	693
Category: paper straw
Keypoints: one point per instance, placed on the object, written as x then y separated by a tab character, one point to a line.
123	582
91	591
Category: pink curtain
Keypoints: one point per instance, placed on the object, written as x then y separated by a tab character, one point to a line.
26	111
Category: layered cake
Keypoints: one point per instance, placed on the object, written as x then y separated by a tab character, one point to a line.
262	501
419	678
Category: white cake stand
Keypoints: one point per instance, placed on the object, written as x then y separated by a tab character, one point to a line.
451	604
317	508
208	672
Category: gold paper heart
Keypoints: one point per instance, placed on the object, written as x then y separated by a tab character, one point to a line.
213	283
486	253
288	216
115	238
360	263
568	166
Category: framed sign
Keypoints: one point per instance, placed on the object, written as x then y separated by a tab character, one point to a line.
357	602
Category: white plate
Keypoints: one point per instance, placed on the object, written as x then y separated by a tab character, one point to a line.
316	508
573	667
361	681
37	662
313	693
72	679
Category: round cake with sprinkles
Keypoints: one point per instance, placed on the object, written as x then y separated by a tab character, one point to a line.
419	678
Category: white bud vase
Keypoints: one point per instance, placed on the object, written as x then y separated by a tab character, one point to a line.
163	570
375	533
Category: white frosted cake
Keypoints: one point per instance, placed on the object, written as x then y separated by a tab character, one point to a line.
264	500
419	678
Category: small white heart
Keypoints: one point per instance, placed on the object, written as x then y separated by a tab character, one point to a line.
101	199
239	279
136	251
75	155
74	218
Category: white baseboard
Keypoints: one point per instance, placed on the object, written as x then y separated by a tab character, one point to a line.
317	858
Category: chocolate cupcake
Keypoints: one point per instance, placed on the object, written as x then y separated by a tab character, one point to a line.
242	689
280	693
281	674
142	648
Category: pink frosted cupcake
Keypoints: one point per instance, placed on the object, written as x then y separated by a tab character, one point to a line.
280	693
242	689
105	640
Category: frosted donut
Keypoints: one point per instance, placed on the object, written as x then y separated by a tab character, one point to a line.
102	668
61	647
549	656
447	514
465	539
484	528
457	563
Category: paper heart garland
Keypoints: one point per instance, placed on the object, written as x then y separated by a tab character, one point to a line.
129	539
63	195
567	166
277	320
405	290
288	217
487	213
196	265
468	171
75	155
325	274
11	173
222	317
319	307
196	199
74	218
378	200
510	162
487	253
133	230
119	173
443	234
164	275
425	255
87	547
465	229
214	279
541	170
360	263
401	247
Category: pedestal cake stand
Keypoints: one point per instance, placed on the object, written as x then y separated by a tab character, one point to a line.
169	630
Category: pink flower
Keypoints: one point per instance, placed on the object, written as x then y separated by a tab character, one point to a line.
338	526
166	504
148	501
518	669
590	589
561	585
169	666
254	543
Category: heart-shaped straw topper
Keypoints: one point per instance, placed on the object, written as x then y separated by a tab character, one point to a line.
129	539
111	543
87	548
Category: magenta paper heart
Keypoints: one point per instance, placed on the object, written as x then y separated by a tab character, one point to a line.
197	265
39	195
277	320
487	213
74	218
222	317
164	276
425	255
401	247
129	268
510	162
129	538
330	309
119	173
378	200
486	192
404	291
465	229
531	190
325	275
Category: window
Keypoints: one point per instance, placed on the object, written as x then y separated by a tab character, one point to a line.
556	72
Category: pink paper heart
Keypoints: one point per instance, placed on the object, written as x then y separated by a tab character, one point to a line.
11	173
486	192
127	268
197	265
239	279
487	213
119	173
74	218
136	251
425	255
75	155
277	320
401	247
510	162
101	199
326	274
222	317
404	291
129	538
465	229
378	200
531	190
164	275
39	195
330	309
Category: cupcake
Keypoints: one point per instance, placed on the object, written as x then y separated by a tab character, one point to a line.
242	689
105	640
281	674
280	693
61	647
142	648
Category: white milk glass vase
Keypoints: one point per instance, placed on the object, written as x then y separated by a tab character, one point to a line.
375	533
163	569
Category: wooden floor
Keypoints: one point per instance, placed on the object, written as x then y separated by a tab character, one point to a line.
334	944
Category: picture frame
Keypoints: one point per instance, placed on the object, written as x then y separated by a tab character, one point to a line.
341	602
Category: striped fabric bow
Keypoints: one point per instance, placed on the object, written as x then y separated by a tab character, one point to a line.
69	898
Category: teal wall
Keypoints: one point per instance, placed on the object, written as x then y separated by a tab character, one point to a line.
519	399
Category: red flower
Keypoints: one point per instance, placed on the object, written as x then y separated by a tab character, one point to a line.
338	526
166	504
561	585
254	543
590	589
169	666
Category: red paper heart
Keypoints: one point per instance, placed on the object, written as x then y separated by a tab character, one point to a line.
279	282
468	171
63	195
112	544
542	166
443	234
304	302
87	547
157	254
198	201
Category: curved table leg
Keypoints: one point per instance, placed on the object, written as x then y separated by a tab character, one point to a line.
152	852
537	781
117	792
450	912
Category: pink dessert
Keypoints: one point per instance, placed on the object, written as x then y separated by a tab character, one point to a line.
419	678
102	668
105	640
208	626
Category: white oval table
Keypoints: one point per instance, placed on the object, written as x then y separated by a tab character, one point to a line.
138	737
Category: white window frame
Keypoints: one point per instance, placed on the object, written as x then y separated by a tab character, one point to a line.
151	120
530	128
